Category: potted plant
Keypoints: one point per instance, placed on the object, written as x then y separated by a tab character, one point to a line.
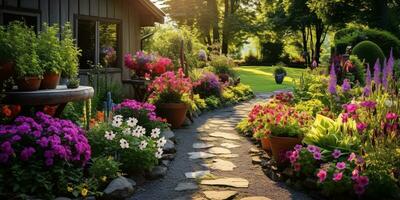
279	74
28	72
69	53
50	57
286	130
171	93
6	57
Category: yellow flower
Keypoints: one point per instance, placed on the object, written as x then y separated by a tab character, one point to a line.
69	189
104	178
84	192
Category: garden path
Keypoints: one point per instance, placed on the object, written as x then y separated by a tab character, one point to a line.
214	162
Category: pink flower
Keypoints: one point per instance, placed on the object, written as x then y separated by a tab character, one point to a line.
361	127
321	175
298	147
362	181
311	148
355	174
336	153
317	156
352	156
341	165
350	108
337	176
391	116
297	167
345	117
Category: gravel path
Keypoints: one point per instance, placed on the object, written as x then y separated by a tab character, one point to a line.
217	126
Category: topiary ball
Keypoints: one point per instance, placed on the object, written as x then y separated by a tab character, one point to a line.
368	51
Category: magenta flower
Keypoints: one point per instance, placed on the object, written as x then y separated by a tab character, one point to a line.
362	181
321	175
361	127
298	147
368	104
337	176
355	174
345	117
26	153
336	153
317	155
346	85
352	156
391	116
332	80
311	148
350	108
341	165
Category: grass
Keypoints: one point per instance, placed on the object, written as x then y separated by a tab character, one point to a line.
261	78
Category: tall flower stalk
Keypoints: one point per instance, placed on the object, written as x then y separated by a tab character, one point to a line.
377	74
332	81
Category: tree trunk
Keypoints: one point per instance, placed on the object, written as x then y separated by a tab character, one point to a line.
305	46
225	34
213	8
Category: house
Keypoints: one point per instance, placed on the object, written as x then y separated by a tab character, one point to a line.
104	29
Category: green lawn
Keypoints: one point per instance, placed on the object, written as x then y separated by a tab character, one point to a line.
261	78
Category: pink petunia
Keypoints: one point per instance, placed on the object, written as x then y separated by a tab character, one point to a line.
337	176
341	165
336	153
321	175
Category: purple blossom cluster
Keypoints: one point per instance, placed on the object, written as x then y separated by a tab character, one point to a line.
139	106
208	85
332	80
43	138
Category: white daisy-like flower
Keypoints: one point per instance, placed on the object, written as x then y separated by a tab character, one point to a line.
388	103
142	145
135	133
159	153
161	142
123	143
155	133
126	131
109	135
132	122
141	131
117	122
118	117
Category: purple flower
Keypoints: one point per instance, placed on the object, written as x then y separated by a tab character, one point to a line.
362	181
4	157
336	153
360	160
311	148
341	165
367	89
24	128
346	85
7	148
337	176
298	147
317	155
368	104
361	127
350	108
26	153
377	74
332	80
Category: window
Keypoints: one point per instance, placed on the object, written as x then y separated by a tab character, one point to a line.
99	40
30	19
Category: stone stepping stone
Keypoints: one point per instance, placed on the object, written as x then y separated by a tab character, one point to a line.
202	145
255	159
230	182
208	139
228	155
226	128
219	164
219	150
186	186
255	198
253	150
220	195
228	136
197	155
197	174
230	145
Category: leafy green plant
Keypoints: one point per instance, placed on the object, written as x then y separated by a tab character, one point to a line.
368	51
104	169
280	70
312	106
73	83
213	102
48	49
222	65
5	45
69	52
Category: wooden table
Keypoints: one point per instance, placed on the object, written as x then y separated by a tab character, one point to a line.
56	97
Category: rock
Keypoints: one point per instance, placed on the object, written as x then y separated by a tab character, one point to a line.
197	174
265	163
255	160
230	182
168	135
219	164
226	128
202	145
255	198
219	150
228	136
230	145
229	155
220	195
208	139
197	155
168	156
187	122
139	178
169	147
119	188
186	186
62	198
165	162
132	182
253	150
157	172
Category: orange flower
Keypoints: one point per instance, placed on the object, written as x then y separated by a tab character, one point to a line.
92	123
50	110
100	116
7	112
15	109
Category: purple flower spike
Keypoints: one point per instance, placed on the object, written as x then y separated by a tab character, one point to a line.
377	74
346	85
332	80
367	88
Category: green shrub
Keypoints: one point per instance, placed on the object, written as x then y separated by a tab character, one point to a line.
279	70
358	71
312	106
271	52
104	169
353	36
222	65
213	102
251	59
48	49
368	51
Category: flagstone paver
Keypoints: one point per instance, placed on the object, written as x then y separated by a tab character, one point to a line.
197	157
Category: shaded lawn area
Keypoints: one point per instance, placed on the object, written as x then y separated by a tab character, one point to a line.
261	78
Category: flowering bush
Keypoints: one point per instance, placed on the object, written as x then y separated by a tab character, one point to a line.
41	155
143	112
147	65
127	142
208	85
171	87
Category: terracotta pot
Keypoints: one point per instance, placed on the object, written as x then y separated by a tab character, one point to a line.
29	83
6	70
50	81
280	145
266	144
175	113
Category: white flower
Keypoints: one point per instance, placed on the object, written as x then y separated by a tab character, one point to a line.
159	153
126	131
109	135
118	117
123	143
142	145
161	142
139	131
132	122
135	133
388	103
155	133
117	122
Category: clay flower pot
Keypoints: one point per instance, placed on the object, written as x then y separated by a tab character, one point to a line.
265	143
50	81
280	145
6	69
29	83
175	113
